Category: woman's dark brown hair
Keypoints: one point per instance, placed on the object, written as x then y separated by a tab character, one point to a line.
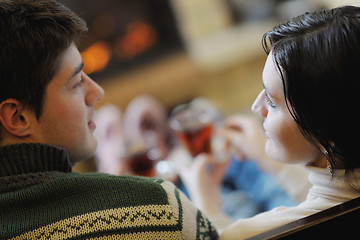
318	55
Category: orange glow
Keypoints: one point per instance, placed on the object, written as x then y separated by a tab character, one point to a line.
139	37
96	57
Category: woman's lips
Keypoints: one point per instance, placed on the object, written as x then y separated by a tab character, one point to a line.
267	134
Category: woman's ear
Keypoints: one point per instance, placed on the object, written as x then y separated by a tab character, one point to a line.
13	118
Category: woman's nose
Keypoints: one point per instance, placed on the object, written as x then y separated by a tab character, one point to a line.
259	105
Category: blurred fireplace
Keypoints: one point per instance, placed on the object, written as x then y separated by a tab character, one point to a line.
125	33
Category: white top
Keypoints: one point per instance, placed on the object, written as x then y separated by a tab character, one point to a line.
326	192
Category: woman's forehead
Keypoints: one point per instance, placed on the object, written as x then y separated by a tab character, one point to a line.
271	77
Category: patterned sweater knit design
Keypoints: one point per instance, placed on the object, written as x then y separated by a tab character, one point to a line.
40	198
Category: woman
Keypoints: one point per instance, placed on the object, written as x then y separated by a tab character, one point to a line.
309	104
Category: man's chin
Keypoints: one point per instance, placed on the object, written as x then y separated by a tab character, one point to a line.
84	153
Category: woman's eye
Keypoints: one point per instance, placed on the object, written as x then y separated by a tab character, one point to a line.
269	102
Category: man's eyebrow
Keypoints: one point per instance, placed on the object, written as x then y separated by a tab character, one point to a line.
78	70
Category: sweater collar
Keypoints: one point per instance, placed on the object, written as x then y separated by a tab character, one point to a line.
338	187
28	158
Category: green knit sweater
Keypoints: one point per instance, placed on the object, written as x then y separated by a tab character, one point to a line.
40	198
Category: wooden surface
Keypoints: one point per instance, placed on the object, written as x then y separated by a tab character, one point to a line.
339	222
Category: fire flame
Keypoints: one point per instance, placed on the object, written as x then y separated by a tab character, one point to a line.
96	57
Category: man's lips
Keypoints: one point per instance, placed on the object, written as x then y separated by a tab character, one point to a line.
91	124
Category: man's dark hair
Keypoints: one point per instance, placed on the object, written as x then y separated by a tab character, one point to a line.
33	36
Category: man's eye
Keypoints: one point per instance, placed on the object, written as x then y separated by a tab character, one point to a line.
78	84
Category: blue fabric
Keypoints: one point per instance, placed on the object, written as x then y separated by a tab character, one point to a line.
260	187
248	191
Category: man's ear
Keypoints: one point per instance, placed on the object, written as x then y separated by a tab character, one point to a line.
13	118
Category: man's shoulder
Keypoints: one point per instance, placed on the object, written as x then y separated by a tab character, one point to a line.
134	189
124	179
123	207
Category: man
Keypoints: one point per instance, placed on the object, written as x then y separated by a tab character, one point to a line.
46	116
